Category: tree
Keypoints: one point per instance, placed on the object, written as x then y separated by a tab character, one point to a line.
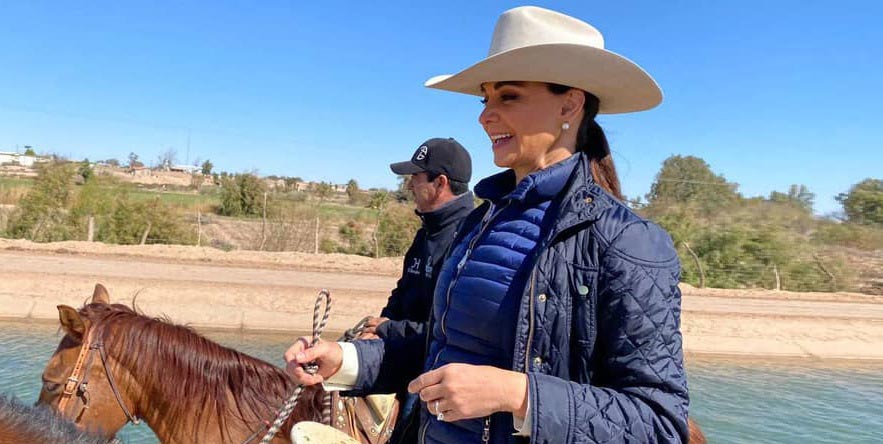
352	190
30	151
41	213
167	158
798	195
402	194
689	181
241	195
133	161
207	167
863	204
323	190
85	170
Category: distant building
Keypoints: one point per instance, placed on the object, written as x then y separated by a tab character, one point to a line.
7	158
189	169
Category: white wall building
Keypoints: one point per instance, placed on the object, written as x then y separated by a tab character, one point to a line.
19	159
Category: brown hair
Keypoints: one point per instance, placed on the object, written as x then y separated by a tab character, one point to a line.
592	141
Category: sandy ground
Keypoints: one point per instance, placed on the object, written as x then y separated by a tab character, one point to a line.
209	288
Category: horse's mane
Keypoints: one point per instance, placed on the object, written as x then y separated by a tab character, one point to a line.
198	378
21	423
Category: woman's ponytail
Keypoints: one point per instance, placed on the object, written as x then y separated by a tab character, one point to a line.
592	141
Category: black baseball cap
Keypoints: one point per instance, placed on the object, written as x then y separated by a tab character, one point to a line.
439	156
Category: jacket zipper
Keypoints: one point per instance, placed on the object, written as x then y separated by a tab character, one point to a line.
533	277
485	222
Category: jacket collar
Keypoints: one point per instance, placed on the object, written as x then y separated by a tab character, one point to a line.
538	186
448	213
579	199
583	200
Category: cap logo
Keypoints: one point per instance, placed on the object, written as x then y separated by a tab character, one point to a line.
421	153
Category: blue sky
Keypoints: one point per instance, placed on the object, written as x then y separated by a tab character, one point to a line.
769	93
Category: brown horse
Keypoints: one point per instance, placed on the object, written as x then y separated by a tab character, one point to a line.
20	423
115	365
186	388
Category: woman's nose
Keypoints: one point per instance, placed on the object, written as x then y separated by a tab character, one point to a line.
487	116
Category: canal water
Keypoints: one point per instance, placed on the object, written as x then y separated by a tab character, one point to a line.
735	401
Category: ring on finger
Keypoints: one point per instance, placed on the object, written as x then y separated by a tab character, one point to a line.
439	415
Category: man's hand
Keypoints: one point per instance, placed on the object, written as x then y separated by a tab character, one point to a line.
371	325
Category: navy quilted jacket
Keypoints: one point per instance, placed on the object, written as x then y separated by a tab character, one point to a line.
595	327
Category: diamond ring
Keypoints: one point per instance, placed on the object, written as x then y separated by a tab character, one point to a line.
439	415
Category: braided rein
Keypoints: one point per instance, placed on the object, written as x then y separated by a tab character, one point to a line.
311	368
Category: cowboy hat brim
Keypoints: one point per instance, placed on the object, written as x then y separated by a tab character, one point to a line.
620	85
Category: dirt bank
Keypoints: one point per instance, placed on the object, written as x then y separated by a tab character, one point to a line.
209	288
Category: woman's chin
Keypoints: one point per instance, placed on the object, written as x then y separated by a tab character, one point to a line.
503	159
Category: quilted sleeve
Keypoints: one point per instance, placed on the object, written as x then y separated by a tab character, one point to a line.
639	388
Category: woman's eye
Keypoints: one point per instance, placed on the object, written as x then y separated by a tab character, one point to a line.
507	97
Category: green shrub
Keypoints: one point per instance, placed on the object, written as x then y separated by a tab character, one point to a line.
863	237
241	195
42	213
396	230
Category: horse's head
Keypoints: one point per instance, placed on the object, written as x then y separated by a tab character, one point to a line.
78	381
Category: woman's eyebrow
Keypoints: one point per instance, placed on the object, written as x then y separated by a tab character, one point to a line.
498	85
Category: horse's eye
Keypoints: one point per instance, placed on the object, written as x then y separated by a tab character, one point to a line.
51	387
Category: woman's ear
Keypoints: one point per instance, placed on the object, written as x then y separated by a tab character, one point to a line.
572	106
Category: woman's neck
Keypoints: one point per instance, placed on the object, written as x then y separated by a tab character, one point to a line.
548	159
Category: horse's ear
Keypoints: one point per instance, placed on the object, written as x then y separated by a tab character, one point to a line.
100	295
71	321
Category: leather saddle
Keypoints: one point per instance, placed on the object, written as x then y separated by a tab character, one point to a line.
369	419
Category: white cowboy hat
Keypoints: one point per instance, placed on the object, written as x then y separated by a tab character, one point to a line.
536	44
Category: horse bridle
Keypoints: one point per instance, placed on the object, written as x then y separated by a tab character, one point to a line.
78	381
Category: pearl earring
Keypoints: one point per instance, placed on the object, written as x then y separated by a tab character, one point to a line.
565	126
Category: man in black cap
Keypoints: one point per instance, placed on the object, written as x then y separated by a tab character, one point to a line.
439	172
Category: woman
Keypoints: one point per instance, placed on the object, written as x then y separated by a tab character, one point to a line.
556	315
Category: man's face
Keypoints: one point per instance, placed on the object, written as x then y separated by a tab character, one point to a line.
425	192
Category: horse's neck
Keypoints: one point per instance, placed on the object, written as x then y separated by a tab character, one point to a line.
154	402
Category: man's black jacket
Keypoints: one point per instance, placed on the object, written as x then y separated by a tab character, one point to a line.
408	306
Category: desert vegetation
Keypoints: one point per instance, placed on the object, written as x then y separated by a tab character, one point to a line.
724	239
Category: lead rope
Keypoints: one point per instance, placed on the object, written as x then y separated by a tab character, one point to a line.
310	368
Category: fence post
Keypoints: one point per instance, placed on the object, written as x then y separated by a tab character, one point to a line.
316	247
778	282
825	270
698	265
264	224
198	227
90	234
146	232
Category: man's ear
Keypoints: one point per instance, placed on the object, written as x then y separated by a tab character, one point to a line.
71	322
443	181
100	295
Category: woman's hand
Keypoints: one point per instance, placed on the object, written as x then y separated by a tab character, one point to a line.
462	391
327	355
